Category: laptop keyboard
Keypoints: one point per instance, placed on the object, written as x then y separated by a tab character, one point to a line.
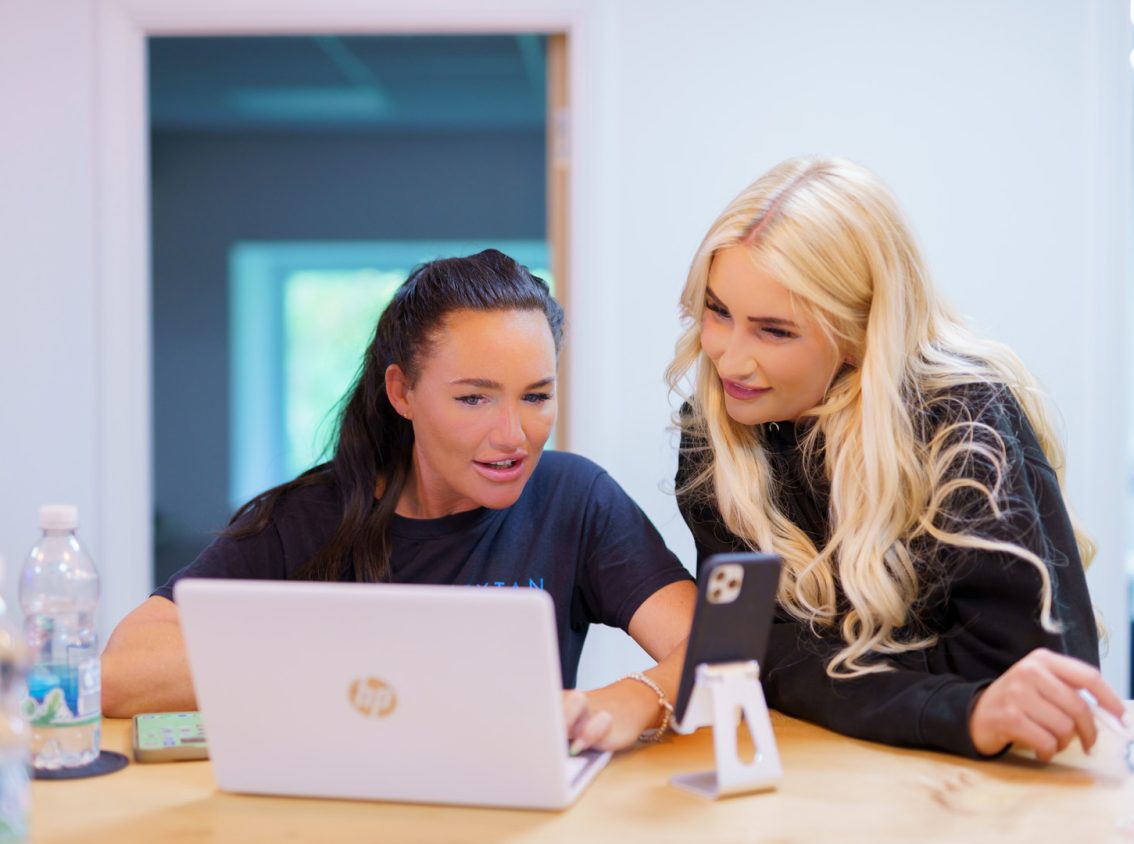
576	765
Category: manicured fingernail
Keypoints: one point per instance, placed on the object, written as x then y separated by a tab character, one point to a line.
577	747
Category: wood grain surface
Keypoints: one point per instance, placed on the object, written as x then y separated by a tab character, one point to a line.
834	789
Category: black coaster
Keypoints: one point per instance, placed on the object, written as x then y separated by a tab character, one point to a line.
107	763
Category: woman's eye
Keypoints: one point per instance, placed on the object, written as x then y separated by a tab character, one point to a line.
717	309
537	398
471	401
780	333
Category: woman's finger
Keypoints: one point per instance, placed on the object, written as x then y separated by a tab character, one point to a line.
1071	703
593	732
1082	675
574	711
1030	734
1108	699
1050	718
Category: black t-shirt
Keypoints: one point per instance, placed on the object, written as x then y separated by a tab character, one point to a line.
983	606
573	533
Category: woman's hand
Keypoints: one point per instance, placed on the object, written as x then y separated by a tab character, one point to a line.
610	718
1036	703
613	717
586	727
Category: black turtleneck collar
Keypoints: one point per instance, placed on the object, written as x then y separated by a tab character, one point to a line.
782	436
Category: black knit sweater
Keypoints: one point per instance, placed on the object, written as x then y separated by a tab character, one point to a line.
983	606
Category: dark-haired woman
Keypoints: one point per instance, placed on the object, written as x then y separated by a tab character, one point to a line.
438	477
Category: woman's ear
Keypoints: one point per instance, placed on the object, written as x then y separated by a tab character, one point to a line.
398	390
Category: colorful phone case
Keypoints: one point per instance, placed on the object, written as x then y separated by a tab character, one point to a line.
169	737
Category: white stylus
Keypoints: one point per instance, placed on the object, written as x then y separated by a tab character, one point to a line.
1114	725
1104	717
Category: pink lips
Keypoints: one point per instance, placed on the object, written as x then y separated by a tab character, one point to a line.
501	473
739	391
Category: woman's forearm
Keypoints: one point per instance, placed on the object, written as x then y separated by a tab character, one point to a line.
633	704
145	667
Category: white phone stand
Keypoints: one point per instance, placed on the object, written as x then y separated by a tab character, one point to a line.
722	693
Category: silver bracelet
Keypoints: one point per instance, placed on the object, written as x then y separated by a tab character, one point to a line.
666	707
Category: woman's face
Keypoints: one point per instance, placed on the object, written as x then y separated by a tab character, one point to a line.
773	360
482	408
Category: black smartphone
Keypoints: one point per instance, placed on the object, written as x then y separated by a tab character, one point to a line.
736	601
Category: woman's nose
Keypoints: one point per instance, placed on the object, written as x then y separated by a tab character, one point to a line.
737	361
508	433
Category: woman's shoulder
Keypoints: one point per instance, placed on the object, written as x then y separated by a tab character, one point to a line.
982	403
564	477
566	488
317	499
320	496
560	467
983	411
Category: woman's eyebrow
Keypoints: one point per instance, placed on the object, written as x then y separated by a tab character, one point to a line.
482	383
763	320
489	384
771	320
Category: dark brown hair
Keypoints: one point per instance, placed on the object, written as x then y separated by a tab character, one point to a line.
373	441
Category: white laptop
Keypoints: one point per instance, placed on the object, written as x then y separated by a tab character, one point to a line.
434	694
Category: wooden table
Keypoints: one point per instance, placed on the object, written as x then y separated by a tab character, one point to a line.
834	789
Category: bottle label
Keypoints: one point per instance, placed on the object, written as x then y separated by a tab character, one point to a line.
64	695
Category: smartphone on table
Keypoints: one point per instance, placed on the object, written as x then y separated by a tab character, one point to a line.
736	601
169	737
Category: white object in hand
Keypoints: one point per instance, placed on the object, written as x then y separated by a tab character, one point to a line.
1105	718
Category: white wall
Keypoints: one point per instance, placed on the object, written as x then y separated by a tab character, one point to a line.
1003	127
49	336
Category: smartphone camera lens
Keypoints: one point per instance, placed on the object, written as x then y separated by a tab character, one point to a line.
725	583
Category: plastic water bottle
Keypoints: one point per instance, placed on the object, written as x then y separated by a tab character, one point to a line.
59	591
15	782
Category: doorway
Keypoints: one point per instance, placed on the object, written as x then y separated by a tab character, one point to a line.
292	171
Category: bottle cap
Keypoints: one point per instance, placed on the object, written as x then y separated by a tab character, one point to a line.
58	517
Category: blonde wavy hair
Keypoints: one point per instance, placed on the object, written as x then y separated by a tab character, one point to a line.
832	234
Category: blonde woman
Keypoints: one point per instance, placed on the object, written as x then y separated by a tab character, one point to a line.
842	416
